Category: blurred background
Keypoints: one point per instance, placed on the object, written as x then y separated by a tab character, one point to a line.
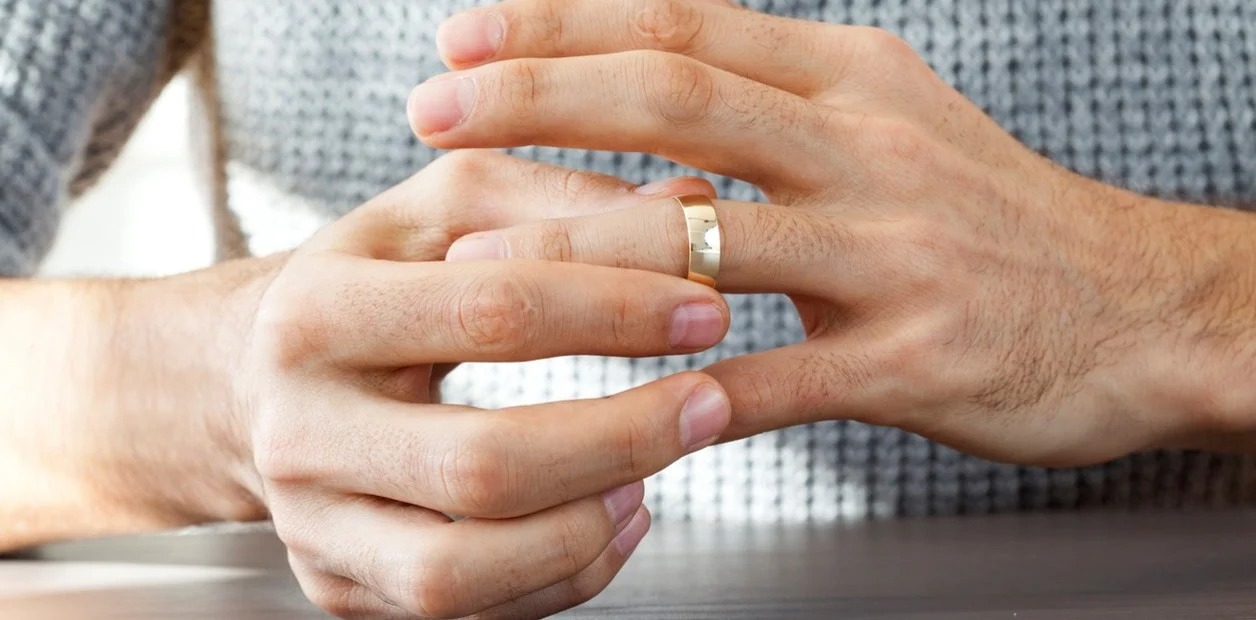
147	216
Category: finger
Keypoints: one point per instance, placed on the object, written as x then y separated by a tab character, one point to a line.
644	101
514	462
475	190
469	566
583	587
377	314
341	597
800	56
764	248
808	382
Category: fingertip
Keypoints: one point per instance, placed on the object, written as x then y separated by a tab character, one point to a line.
471	38
681	386
477	247
697	326
631	536
703	187
440	104
411	110
622	503
705	415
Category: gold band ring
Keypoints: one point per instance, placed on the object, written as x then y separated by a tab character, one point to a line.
704	239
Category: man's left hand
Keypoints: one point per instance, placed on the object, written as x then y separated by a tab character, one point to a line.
951	282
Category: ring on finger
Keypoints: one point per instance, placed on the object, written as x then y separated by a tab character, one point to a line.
704	238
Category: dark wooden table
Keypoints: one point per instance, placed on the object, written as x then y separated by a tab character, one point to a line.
1149	565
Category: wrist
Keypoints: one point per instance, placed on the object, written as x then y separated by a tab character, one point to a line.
1199	357
1217	352
169	374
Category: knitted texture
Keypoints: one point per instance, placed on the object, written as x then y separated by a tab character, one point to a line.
75	77
1154	95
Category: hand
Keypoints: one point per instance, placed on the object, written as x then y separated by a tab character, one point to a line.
951	282
359	466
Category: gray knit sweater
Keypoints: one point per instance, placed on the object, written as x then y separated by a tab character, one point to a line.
304	105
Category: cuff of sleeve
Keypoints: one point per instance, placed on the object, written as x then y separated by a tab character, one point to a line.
31	191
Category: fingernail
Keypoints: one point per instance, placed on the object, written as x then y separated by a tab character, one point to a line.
441	104
696	326
471	37
477	248
621	503
627	540
704	416
650	189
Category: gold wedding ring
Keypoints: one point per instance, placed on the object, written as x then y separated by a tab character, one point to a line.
704	239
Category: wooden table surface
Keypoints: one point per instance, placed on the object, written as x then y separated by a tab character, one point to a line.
1096	565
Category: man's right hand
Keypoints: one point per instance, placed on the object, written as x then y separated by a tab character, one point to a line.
359	466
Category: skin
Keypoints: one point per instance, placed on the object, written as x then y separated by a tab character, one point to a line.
951	282
303	387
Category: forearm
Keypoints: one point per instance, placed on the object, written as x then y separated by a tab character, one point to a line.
118	415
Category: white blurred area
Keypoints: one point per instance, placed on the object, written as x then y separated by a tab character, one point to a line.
147	216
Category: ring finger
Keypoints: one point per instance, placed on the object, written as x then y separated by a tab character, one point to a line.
765	248
475	190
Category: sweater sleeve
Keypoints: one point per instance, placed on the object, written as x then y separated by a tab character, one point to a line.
75	78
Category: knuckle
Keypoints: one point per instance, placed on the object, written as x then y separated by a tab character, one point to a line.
580	185
291	323
761	390
546	21
588	584
902	142
903	357
915	371
496	314
669	25
476	477
679	90
520	86
925	258
465	165
884	45
415	229
820	376
579	544
278	453
556	241
635	444
441	208
430	584
626	323
295	534
334	601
